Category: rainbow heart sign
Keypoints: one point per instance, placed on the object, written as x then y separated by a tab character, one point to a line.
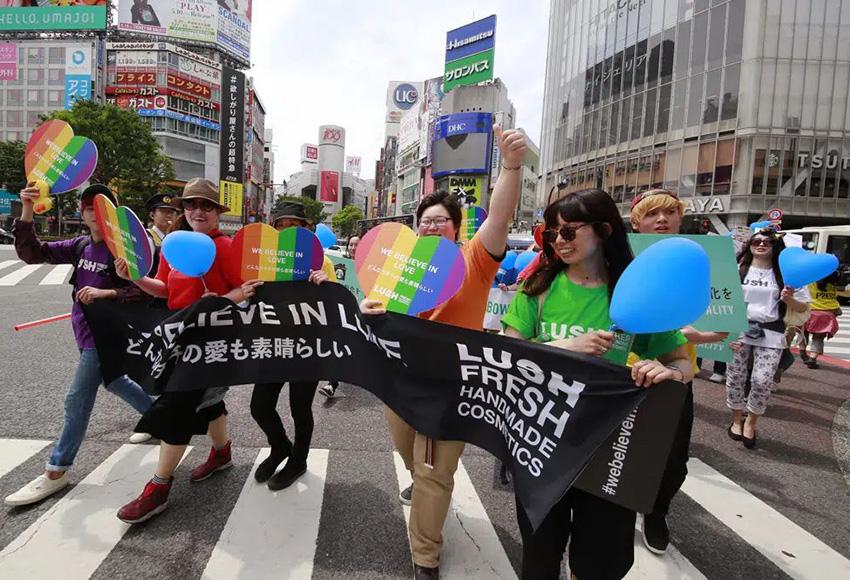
406	273
55	156
473	217
260	252
125	236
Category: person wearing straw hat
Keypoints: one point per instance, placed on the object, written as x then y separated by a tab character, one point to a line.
176	417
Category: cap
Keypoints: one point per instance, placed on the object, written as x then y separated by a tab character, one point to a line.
290	209
159	200
649	193
200	188
95	189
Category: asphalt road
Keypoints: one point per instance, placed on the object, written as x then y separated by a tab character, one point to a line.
779	511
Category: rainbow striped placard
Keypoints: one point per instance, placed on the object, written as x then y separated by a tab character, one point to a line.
58	158
263	253
125	236
408	274
473	217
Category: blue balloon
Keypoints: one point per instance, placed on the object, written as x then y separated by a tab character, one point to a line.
666	287
524	259
509	261
800	268
756	226
190	253
326	236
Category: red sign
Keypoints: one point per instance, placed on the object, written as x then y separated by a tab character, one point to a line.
312	152
136	102
332	135
775	214
135	78
330	186
184	85
144	91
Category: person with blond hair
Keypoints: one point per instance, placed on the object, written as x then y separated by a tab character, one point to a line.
660	211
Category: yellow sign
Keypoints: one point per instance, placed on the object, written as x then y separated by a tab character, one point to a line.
230	195
466	189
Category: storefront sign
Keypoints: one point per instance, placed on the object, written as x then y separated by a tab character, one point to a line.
405	96
135	78
703	205
831	160
8	61
469	53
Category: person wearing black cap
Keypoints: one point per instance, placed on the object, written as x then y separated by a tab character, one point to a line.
162	213
93	278
264	397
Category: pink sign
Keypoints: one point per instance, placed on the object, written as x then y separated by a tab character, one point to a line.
8	62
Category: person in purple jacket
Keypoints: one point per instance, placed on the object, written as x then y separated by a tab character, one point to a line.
93	278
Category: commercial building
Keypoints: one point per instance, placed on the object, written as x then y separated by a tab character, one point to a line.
255	192
739	106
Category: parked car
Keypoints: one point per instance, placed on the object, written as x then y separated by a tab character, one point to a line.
6	237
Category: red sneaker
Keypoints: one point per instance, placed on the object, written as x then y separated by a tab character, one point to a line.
154	500
218	460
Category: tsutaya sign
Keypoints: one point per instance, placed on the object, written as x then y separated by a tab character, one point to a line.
701	205
831	160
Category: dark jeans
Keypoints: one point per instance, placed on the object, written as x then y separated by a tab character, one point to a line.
602	544
677	463
264	411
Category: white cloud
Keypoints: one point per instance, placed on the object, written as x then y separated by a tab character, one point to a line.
329	62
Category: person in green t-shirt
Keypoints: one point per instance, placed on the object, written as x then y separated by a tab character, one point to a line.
565	303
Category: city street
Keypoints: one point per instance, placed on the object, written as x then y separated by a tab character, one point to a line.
778	511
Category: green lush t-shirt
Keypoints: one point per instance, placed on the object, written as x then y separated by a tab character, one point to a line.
570	310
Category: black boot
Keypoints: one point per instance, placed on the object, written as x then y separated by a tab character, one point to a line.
278	455
294	468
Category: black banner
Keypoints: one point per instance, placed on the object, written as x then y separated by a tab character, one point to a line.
232	147
544	411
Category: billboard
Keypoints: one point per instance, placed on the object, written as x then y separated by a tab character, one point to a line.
225	23
309	153
401	96
352	165
78	67
52	15
462	144
408	129
329	187
8	61
232	151
469	53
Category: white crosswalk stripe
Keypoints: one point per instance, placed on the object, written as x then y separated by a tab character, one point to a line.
839	345
276	535
17	273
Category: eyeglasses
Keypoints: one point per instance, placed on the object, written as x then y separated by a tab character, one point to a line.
440	222
766	242
203	204
568	233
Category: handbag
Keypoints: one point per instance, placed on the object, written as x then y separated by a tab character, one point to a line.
797	319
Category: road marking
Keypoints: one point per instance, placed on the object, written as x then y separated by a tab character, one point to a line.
7	263
797	552
471	548
272	534
57	275
13	452
651	567
18	275
73	537
836	350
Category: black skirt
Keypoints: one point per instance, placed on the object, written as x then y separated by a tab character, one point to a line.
175	417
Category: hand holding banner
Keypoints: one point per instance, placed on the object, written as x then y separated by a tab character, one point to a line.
260	252
408	274
124	235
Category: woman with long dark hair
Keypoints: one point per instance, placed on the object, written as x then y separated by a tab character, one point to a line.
767	299
565	303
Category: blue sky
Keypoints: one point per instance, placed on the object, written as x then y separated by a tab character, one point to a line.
329	62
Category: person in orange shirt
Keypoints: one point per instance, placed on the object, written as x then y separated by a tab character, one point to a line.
439	214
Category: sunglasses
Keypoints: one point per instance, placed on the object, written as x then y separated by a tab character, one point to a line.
568	233
202	204
766	242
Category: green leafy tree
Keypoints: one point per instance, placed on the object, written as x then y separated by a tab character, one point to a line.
315	210
12	165
345	220
129	160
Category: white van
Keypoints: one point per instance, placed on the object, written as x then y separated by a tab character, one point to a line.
832	239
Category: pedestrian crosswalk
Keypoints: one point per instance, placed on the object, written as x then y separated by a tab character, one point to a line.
839	345
265	534
16	273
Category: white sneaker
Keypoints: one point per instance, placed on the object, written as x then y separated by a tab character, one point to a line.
140	437
717	378
36	490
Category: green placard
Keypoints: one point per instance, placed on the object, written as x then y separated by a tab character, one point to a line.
346	274
717	350
727	311
53	18
469	70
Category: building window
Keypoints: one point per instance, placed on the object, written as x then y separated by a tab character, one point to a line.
32	118
35	76
54	98
695	101
15	119
698	51
35	55
14	97
716	29
12	136
56	76
35	97
729	106
56	55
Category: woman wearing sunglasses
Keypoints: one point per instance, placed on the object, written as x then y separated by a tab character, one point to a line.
176	417
767	299
565	303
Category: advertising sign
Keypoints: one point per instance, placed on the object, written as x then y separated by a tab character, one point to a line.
309	153
329	186
135	78
53	15
206	123
462	144
232	150
182	84
78	67
402	96
408	129
469	53
226	23
8	61
203	72
135	58
6	201
352	165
